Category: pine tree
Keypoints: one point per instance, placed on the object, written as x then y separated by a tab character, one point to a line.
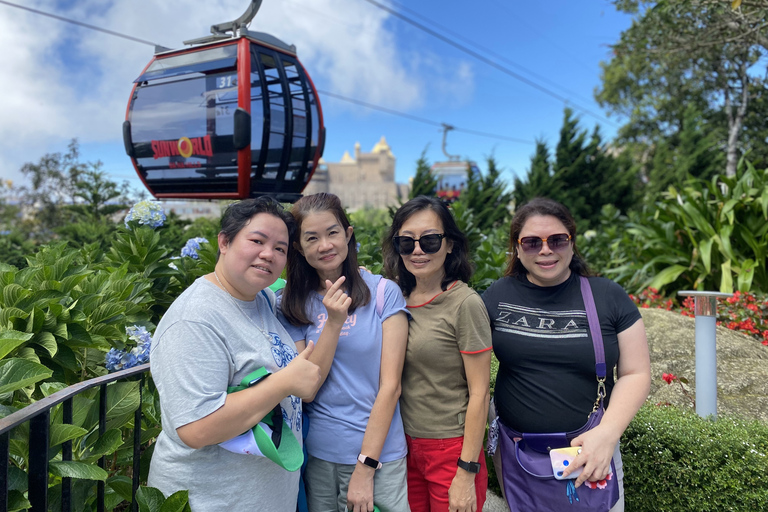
487	197
424	182
539	181
584	177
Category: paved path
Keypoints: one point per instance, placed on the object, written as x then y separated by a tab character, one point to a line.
494	503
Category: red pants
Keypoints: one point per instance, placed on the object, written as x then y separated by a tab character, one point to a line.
431	468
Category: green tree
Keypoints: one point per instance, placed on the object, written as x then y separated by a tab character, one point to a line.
693	152
424	182
678	54
539	181
487	196
588	176
62	189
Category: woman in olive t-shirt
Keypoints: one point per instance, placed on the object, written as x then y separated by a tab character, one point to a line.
444	400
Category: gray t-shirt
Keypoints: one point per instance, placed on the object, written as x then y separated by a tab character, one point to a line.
203	344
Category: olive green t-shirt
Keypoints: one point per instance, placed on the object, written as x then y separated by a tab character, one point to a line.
435	395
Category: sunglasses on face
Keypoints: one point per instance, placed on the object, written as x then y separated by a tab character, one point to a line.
430	244
554	242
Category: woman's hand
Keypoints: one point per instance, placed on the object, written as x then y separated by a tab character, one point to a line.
597	448
304	375
336	301
360	491
462	496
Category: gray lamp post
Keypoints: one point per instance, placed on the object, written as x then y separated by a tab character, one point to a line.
705	310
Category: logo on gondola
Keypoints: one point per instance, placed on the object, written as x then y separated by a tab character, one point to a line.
184	147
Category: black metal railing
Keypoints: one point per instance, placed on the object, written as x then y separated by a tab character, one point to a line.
38	415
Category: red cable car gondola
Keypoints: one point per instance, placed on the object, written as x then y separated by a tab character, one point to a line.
452	175
234	116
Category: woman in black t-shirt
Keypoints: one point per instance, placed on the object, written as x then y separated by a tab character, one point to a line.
546	379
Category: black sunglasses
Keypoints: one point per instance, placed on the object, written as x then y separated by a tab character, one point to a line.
430	244
554	242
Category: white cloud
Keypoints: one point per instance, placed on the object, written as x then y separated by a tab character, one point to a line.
62	81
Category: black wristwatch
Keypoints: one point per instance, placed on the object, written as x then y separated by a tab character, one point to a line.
471	467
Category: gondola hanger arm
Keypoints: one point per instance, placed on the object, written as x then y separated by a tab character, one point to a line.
242	21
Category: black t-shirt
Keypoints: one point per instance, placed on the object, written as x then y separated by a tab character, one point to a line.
546	380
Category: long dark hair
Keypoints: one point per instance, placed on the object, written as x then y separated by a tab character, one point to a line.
542	206
238	214
457	265
302	279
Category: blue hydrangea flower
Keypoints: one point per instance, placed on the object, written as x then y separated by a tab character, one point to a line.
116	360
192	246
5	232
149	213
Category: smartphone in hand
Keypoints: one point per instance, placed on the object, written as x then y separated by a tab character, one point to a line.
561	458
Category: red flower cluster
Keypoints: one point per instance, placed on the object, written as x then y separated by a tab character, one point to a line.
669	378
744	312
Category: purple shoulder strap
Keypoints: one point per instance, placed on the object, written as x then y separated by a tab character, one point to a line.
594	327
380	296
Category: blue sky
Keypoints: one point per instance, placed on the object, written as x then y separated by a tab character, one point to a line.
62	81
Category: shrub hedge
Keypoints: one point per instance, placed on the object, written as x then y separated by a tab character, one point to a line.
676	461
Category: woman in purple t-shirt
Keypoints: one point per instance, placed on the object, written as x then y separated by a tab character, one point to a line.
359	324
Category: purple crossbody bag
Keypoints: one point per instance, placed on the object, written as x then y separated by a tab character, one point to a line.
528	479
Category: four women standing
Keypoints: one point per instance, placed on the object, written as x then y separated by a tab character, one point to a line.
369	360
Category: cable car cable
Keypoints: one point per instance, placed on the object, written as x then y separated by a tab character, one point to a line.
488	61
79	23
420	119
485	49
327	93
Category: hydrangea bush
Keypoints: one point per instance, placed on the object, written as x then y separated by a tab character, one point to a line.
192	246
149	213
122	359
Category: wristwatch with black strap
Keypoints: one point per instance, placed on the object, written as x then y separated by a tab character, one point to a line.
471	467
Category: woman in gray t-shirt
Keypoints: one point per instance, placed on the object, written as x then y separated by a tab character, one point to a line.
218	331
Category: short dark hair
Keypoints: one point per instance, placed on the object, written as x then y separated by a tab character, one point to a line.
457	264
238	214
302	278
545	207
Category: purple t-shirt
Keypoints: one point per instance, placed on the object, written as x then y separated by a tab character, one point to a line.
339	413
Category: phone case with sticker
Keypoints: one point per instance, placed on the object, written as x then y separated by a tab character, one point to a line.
561	458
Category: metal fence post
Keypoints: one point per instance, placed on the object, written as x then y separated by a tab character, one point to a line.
705	311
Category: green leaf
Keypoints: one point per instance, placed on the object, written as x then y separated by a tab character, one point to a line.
176	502
35	320
72	469
10	340
78	336
17	501
29	354
705	251
20	373
667	276
122	485
107	313
17	479
12	293
8	314
745	275
62	432
726	279
49	388
106	444
149	499
122	398
46	340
